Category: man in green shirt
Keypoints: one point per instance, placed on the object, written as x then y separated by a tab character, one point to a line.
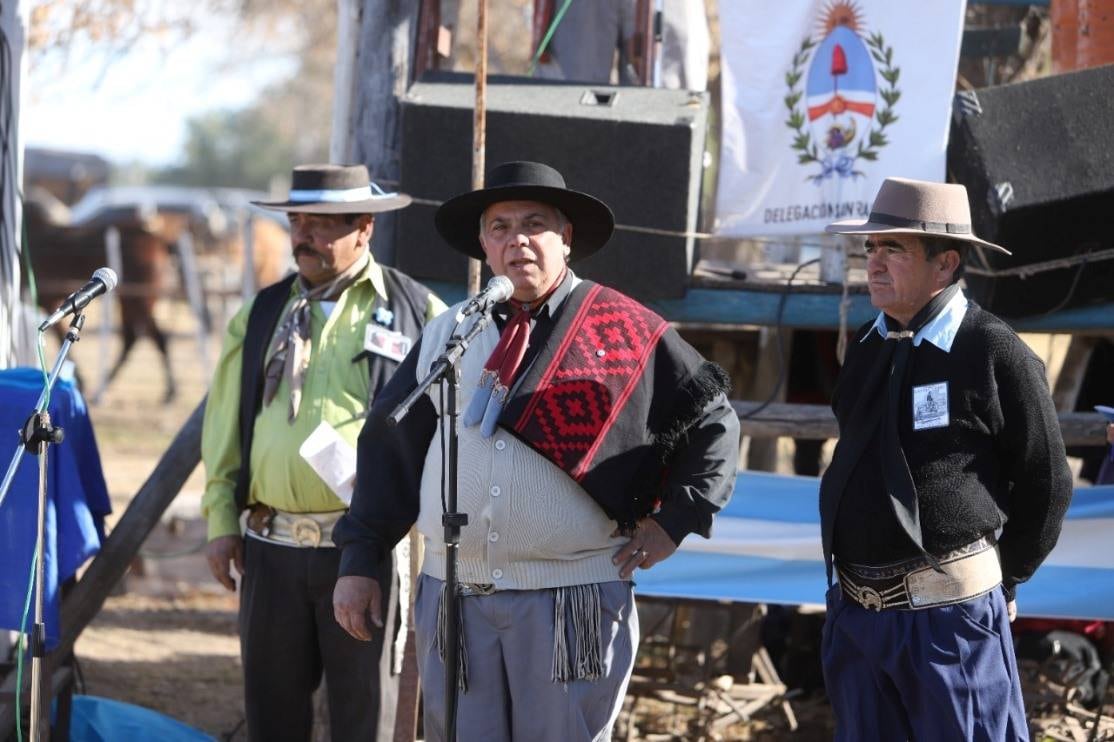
299	367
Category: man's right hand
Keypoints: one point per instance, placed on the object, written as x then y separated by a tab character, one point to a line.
221	553
354	599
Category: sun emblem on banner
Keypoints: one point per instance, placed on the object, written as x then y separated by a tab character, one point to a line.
840	113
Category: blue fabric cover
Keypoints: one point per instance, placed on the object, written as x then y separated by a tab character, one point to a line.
77	498
95	719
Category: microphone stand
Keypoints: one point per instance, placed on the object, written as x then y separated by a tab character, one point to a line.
37	434
445	370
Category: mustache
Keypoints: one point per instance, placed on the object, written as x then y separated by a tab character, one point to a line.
305	248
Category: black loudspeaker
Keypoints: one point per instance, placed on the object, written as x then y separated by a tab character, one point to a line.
1039	170
639	150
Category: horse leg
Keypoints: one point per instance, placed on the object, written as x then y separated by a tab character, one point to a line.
164	349
128	336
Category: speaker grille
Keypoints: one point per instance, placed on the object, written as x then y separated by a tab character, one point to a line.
639	150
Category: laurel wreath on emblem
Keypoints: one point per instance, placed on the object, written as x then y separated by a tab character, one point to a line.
884	115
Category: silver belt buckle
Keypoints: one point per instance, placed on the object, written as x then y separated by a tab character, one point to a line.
468	589
867	597
305	532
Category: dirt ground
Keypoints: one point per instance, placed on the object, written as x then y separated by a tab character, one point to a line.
167	639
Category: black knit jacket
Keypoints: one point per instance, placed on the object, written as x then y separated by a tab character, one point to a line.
1000	461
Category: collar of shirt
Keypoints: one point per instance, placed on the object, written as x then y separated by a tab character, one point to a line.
372	272
503	310
940	331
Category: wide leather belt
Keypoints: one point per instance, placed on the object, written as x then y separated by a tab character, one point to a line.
969	571
305	530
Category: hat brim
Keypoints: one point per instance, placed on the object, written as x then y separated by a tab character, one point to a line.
394	202
458	219
858	226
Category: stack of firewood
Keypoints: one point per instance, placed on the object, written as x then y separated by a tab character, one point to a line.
1055	712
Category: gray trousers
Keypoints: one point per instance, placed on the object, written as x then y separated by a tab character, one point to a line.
509	641
289	637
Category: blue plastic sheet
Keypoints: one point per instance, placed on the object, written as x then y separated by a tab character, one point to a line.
95	719
77	498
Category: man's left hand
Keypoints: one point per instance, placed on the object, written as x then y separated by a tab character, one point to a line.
648	545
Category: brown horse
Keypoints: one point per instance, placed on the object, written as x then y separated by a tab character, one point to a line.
64	257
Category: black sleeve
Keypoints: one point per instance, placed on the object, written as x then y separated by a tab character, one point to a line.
701	475
389	463
1031	449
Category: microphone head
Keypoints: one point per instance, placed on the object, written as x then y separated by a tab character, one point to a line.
500	288
107	276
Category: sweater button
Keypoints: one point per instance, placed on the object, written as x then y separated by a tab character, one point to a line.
500	444
493	536
495	491
497	573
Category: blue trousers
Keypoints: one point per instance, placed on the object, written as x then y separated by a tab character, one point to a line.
946	673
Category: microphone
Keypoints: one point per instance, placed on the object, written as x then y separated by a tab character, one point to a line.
498	289
103	281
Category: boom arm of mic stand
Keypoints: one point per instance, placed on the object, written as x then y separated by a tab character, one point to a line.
454	349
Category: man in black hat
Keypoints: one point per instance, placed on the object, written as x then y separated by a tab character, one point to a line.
593	441
299	368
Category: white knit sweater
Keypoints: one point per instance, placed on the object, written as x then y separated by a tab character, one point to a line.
530	526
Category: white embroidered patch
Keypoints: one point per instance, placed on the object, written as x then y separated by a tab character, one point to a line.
384	342
930	406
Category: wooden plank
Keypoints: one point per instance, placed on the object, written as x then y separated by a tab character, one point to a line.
774	348
752	307
120	548
386	42
821	311
1070	379
813	307
810	421
818	421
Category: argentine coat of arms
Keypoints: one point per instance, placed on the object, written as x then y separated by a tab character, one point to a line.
842	89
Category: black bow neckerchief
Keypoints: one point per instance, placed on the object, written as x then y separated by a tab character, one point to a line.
895	468
888	372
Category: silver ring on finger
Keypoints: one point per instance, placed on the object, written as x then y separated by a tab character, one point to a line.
641	555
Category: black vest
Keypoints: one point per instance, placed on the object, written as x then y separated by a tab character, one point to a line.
408	300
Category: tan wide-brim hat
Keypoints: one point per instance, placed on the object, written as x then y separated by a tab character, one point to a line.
335	189
919	207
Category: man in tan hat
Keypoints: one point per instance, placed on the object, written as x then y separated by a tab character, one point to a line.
593	440
299	368
945	492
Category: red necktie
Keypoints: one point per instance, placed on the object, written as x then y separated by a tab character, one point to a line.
502	367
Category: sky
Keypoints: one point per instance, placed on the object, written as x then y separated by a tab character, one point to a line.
134	107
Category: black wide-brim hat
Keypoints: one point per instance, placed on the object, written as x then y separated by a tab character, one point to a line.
336	189
458	219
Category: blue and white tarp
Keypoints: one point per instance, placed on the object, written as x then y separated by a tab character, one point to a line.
765	548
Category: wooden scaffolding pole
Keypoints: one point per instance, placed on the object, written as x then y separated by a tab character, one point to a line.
479	127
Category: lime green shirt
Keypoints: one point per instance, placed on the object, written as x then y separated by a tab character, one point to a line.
335	390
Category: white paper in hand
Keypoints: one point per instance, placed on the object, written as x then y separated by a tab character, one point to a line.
332	458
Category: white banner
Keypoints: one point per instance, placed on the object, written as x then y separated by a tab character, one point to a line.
823	99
